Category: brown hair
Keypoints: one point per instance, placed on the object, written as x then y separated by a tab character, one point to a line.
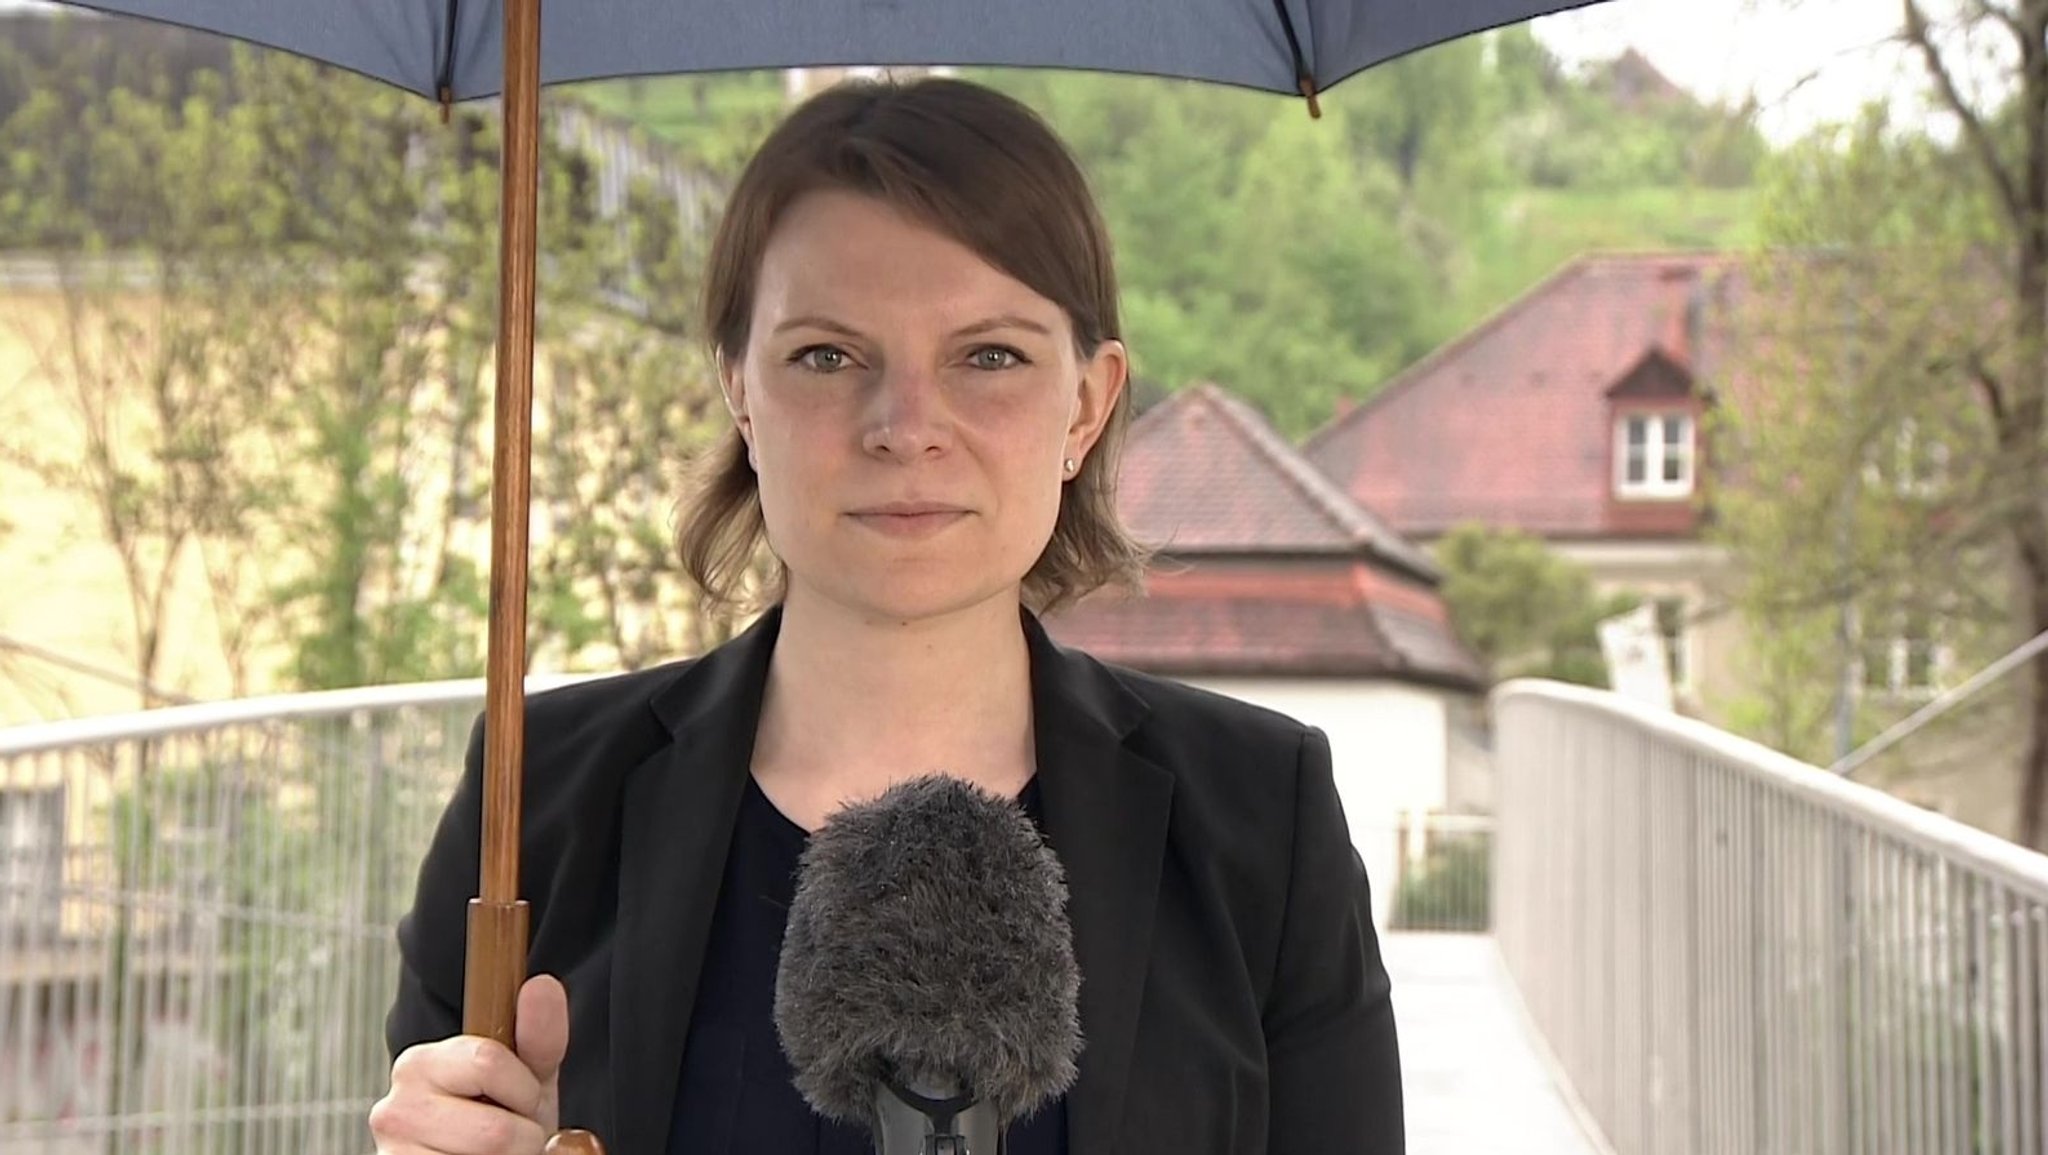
984	170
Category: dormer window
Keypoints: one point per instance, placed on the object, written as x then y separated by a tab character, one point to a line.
1654	455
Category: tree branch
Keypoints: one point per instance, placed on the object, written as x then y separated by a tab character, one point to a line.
1994	389
1918	35
1989	11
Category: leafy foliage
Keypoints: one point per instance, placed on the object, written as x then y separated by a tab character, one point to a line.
1525	611
343	243
296	269
1301	263
1450	890
1870	452
1889	448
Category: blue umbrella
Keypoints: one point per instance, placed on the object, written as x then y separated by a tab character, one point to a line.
453	51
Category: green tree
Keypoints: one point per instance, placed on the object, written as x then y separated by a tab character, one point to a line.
1858	454
369	290
1525	611
1302	262
1256	248
716	119
1433	119
275	859
2007	147
329	249
1901	334
152	355
1615	125
630	392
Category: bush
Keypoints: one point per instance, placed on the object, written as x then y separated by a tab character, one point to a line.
1450	890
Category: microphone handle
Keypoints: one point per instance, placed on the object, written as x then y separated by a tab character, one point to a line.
910	1123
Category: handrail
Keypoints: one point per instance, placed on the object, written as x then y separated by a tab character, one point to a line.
39	737
1925	829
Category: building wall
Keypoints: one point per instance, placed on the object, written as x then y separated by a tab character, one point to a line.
62	584
1966	766
67	634
1695	573
53	1066
1389	745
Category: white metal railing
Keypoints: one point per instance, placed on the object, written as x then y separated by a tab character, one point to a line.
1729	951
196	908
1434	871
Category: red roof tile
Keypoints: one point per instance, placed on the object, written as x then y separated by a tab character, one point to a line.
1509	424
1303	617
1266	568
1204	473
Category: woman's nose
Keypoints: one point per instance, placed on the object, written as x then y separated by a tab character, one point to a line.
907	416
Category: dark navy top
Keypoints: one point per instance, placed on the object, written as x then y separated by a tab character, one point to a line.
737	1095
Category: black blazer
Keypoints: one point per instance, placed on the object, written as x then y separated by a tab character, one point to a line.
1233	999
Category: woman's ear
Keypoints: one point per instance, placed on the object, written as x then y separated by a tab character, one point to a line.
732	383
1103	380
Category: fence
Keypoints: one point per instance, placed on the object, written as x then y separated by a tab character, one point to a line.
1729	951
1440	867
195	918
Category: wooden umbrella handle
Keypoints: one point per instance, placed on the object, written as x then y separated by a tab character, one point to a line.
496	971
495	965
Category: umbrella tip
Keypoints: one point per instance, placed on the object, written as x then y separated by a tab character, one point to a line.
447	101
1308	90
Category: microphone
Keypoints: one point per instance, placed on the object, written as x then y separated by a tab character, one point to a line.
927	987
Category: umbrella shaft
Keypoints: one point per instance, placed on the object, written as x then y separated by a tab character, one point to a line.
504	733
496	964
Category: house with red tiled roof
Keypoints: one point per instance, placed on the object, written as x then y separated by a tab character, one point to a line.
1574	414
1274	587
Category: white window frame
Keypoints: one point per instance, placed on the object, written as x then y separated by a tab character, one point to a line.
1656	424
1898	657
1896	463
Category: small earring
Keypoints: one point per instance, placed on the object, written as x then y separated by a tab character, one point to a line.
1072	465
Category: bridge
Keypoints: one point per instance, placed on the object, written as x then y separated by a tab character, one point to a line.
1683	944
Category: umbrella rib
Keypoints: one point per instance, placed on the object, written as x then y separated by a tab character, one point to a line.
1303	75
444	83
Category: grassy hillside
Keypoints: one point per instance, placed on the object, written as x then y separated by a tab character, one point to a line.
1529	232
718	117
1536	230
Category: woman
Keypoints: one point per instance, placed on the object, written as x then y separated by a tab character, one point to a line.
913	307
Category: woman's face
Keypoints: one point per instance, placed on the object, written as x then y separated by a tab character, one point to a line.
909	410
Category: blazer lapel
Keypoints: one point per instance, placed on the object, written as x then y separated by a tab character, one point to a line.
679	810
1106	813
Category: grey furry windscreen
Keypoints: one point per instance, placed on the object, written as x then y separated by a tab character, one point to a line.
930	928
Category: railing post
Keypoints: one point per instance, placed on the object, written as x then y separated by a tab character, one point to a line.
1853	974
284	809
1693	1091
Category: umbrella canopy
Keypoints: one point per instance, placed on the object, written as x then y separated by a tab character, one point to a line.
451	51
455	49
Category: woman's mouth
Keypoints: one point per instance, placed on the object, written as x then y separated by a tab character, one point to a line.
909	519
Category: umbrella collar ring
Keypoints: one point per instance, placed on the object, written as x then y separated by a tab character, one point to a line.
444	81
1304	77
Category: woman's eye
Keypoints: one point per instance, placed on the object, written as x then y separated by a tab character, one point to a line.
822	358
995	357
